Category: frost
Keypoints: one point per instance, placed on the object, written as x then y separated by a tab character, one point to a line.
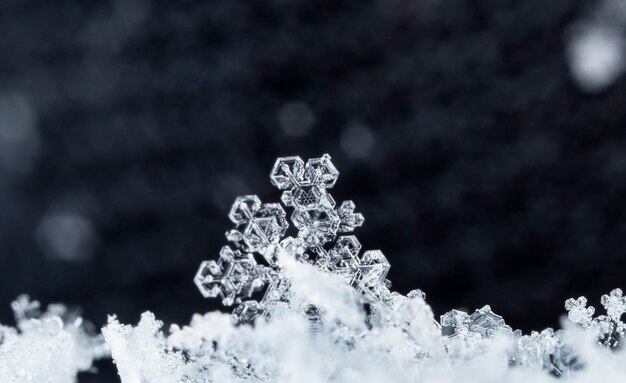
311	306
50	347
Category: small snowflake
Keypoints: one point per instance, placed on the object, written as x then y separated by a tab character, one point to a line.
614	303
611	328
578	312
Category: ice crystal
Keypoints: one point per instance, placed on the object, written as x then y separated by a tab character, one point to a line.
51	346
578	312
259	234
312	306
609	328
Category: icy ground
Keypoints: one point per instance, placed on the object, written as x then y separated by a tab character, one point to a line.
406	345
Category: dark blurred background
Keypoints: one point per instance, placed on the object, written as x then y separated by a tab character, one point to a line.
487	173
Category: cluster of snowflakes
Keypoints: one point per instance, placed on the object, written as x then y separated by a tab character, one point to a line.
259	235
259	232
51	346
312	307
610	326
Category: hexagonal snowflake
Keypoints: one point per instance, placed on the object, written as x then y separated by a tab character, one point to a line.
260	229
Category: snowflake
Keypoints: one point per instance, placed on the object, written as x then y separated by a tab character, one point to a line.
578	312
610	327
260	230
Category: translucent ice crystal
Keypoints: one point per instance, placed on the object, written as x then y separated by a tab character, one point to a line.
578	312
260	230
609	328
51	346
259	225
234	276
